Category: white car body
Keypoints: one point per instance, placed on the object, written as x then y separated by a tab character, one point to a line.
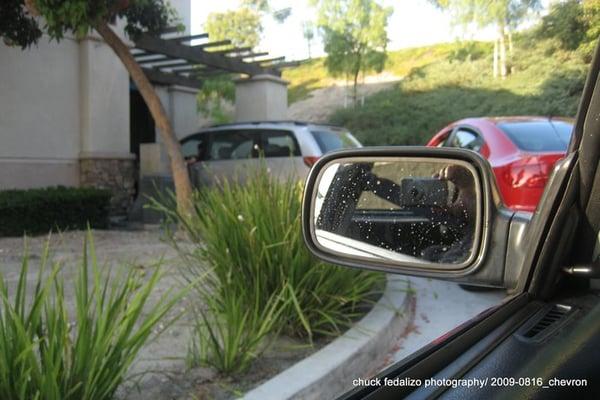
232	151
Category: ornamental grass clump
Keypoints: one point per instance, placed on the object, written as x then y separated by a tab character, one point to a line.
51	351
260	278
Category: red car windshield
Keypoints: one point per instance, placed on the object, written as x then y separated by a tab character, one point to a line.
539	136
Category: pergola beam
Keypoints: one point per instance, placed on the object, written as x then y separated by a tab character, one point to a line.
249	55
232	50
188	38
213	44
187	67
268	60
170	64
163	78
199	56
155	58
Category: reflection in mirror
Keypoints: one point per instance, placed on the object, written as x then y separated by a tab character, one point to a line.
412	211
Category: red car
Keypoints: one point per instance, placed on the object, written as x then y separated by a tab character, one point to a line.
521	150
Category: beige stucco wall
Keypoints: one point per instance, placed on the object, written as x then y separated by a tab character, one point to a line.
39	114
61	103
104	100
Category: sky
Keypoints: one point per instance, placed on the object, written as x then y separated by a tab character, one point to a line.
413	23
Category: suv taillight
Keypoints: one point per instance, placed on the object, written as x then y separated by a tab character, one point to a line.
310	160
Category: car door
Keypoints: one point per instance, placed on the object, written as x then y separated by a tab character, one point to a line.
548	330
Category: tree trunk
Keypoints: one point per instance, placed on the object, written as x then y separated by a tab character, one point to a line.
495	67
355	88
510	52
181	179
502	34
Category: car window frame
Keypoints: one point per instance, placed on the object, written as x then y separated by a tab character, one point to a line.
470	129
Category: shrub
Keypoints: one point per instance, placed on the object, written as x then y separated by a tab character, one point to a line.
442	92
37	211
48	353
565	22
261	277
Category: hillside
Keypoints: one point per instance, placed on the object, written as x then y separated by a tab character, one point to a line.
312	75
447	82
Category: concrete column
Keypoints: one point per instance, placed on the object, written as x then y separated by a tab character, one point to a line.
181	106
261	98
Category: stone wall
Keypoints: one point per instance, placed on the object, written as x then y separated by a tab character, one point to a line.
116	175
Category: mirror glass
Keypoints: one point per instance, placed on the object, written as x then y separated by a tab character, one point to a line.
403	210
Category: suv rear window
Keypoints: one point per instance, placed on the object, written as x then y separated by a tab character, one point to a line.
539	135
329	140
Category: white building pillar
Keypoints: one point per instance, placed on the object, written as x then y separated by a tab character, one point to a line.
261	98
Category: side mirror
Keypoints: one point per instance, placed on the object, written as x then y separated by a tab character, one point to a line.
412	210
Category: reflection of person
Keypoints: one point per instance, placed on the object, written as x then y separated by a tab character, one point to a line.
462	204
342	196
349	183
454	216
462	207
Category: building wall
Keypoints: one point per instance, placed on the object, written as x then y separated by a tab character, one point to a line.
104	99
39	117
64	114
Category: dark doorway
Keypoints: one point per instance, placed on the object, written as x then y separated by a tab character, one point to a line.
141	128
141	124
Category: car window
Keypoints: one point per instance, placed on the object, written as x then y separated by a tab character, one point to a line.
280	144
538	135
233	145
192	146
465	139
563	129
329	140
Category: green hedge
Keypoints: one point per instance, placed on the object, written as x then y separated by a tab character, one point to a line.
36	211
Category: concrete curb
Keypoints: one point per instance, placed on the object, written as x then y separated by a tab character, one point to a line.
329	372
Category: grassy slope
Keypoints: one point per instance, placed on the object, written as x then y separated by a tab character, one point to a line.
313	74
444	84
305	78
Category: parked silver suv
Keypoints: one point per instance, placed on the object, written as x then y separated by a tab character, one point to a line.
289	149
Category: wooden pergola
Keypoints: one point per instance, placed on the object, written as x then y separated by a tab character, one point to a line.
187	60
